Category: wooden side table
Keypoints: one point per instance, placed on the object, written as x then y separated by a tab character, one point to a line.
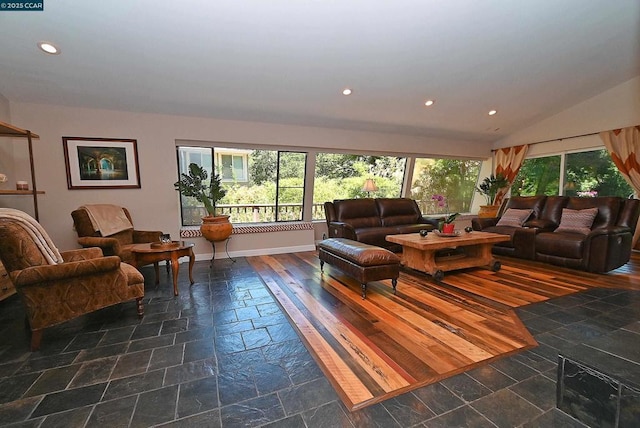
144	254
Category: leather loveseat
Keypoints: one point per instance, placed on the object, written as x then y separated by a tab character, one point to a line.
370	220
548	229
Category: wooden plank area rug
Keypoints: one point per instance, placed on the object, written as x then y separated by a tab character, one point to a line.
375	349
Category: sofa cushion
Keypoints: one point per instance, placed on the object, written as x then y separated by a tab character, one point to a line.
577	221
514	217
395	211
357	212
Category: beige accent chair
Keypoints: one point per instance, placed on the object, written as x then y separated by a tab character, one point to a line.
53	293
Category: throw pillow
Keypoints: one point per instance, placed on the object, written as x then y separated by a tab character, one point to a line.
514	217
577	221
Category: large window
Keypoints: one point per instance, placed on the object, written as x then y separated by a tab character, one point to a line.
261	185
588	173
342	176
444	185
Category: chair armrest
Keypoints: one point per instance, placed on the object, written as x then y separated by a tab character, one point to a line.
338	229
35	275
110	246
543	225
81	254
433	221
144	236
481	223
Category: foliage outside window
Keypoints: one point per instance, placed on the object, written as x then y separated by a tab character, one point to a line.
589	173
444	185
271	190
341	176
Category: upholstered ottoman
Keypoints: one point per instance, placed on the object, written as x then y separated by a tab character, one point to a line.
362	262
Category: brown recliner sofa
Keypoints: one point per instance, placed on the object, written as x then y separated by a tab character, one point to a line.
370	220
604	247
53	292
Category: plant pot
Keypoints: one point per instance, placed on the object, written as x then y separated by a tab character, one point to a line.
216	228
448	228
488	211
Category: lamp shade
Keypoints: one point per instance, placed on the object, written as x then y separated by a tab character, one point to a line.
369	186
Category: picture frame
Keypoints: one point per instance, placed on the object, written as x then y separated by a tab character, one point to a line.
101	163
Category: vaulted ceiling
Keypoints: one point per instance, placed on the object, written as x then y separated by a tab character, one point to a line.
287	61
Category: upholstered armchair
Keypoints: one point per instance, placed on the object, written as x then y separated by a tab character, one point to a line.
117	244
59	286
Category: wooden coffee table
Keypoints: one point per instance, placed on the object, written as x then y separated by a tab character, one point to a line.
144	254
426	253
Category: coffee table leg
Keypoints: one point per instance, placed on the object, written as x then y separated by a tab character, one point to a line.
175	267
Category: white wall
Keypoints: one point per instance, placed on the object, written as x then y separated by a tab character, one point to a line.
618	107
156	204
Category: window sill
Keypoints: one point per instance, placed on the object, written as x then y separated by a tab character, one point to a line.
246	228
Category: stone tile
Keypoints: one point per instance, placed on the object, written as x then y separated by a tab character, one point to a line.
13	387
84	341
233	327
491	377
116	335
174	326
506	409
514	368
240	360
198	350
195	334
554	418
247	313
39	364
190	371
71	418
18	410
284	350
270	377
294	421
101	352
235	387
538	390
465	387
282	332
197	396
166	357
375	415
53	380
269	320
130	364
93	372
151	342
408	410
438	398
210	419
327	416
254	412
114	413
134	385
69	399
256	338
155	407
462	417
307	396
146	330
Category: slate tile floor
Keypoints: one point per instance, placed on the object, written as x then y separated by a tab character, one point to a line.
222	354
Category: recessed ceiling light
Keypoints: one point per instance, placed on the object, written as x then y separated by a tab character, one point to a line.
49	48
492	112
346	91
429	103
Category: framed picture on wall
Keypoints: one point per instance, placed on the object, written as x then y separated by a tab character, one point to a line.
101	163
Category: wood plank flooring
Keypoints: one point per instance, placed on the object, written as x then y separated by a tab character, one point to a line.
375	349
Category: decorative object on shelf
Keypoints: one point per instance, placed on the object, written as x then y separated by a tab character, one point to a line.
101	163
22	185
214	227
448	226
468	229
424	233
165	238
369	186
3	178
489	189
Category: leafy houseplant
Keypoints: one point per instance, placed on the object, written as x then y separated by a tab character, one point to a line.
194	185
214	227
490	186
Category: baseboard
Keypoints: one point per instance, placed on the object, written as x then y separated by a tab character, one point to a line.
257	252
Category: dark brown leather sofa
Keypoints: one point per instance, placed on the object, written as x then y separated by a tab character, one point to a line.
370	220
605	247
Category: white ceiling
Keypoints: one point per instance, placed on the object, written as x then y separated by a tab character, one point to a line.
287	61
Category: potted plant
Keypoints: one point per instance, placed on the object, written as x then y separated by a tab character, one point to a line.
214	227
489	189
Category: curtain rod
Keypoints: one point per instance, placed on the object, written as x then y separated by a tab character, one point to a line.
558	139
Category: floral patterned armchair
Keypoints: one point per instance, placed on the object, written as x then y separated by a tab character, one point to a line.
69	284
